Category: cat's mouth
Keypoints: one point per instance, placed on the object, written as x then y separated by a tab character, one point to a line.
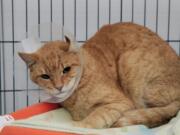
61	91
51	91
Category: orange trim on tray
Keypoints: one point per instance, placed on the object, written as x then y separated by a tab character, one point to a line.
29	112
12	130
34	110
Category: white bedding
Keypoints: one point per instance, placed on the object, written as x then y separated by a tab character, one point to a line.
60	120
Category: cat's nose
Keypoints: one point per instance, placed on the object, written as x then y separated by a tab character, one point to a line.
59	88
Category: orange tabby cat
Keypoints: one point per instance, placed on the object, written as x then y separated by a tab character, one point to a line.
129	76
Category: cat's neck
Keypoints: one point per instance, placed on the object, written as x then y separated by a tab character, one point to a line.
89	66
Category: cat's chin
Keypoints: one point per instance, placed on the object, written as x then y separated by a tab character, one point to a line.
51	91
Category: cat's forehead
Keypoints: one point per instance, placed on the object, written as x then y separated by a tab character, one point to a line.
53	46
50	54
55	52
52	49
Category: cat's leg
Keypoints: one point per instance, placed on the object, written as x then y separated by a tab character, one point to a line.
104	116
149	116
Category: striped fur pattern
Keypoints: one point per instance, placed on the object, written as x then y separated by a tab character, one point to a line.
130	76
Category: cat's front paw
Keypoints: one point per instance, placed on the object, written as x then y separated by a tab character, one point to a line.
82	124
123	122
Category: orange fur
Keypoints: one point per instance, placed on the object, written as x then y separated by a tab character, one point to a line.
130	76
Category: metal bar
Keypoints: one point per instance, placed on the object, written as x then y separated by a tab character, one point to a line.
157	15
13	52
62	19
39	20
0	83
144	12
98	14
5	42
121	10
27	76
86	19
26	4
17	90
1	57
169	19
179	48
63	12
75	16
109	11
51	19
132	19
172	40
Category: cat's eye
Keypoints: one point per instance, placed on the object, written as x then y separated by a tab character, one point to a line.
45	76
66	70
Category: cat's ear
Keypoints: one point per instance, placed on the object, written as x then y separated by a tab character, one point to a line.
67	39
28	58
73	45
31	45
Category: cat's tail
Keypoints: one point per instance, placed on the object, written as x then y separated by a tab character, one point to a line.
150	117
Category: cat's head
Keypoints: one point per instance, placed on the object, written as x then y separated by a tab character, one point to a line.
54	65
